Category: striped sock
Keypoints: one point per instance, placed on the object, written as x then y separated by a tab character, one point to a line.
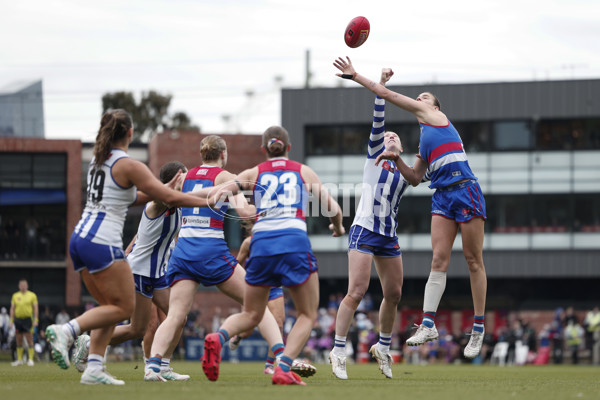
72	329
285	363
428	319
478	323
340	345
164	364
270	362
277	349
223	336
154	364
95	362
385	339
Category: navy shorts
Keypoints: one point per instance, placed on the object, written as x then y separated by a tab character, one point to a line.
461	202
209	272
93	256
275	293
23	325
363	240
146	286
289	269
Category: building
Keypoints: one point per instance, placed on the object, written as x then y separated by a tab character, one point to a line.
22	110
535	147
42	195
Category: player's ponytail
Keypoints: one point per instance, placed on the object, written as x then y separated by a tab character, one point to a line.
211	148
114	126
275	141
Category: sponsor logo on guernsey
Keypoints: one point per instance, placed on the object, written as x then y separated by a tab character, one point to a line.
456	173
202	221
202	171
279	163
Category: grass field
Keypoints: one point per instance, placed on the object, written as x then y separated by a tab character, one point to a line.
245	381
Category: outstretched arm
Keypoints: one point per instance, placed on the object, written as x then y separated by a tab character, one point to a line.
404	102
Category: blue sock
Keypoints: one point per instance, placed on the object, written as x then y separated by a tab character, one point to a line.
285	363
270	362
223	336
277	349
428	319
154	364
478	323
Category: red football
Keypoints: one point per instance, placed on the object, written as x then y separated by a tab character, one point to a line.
357	32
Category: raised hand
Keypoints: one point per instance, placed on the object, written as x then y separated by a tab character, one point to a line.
345	66
386	74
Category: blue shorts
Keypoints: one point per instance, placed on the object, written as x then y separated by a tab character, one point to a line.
363	240
275	293
289	269
461	202
93	256
207	272
146	286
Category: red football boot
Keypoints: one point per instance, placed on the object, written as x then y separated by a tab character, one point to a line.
212	356
286	378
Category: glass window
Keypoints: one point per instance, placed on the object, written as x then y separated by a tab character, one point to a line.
475	135
33	232
568	134
37	170
512	135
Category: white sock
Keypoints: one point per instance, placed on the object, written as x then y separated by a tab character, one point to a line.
164	364
95	362
385	339
340	345
72	329
436	284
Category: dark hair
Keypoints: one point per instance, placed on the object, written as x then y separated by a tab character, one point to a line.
211	147
436	101
275	140
114	126
170	169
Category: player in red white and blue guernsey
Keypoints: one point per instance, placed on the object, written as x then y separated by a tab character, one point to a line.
280	252
372	237
457	203
201	256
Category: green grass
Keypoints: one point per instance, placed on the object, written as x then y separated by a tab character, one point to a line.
245	381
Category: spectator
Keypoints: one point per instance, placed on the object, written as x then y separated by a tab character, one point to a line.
4	328
592	339
62	317
574	338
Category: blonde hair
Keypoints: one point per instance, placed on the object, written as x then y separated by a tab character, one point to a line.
211	148
275	140
114	126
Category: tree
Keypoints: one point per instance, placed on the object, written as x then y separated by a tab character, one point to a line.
150	115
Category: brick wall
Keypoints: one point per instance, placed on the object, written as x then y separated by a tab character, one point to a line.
243	150
73	150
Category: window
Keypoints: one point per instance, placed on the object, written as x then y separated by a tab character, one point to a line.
33	171
512	135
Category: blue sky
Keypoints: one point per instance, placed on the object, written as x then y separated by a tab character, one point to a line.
211	54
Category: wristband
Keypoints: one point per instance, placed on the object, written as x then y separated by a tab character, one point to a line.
348	76
239	185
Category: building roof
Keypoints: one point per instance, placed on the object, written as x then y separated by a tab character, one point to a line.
18	86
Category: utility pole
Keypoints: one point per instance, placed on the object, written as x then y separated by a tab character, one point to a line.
308	73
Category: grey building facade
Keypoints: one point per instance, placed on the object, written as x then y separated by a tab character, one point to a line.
22	110
535	147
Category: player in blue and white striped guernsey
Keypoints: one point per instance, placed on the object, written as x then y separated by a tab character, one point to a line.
148	256
372	237
457	203
96	246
